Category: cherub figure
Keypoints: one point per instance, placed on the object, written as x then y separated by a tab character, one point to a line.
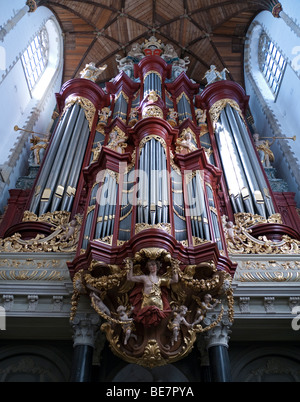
179	319
99	303
103	116
172	117
204	307
69	230
128	326
133	117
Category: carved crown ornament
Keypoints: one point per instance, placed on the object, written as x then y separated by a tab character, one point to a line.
62	234
152	306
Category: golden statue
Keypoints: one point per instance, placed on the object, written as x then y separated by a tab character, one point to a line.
39	145
264	151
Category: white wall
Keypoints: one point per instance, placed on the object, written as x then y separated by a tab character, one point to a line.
31	111
279	117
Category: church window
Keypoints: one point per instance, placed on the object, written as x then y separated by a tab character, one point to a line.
35	58
271	63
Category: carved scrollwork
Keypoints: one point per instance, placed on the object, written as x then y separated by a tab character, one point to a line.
240	240
64	237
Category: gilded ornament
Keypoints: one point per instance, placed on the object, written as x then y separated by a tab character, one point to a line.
64	237
240	241
153	290
152	111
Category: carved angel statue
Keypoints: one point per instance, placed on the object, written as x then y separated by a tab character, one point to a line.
96	151
149	300
172	117
125	64
177	321
169	53
204	307
128	326
263	147
91	72
180	65
200	116
133	116
213	75
103	116
185	144
38	147
117	142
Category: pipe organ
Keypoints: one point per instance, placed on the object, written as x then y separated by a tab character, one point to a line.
151	167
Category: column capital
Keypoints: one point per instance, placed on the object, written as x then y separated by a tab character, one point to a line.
219	334
85	328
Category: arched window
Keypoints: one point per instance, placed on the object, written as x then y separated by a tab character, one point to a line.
271	63
35	58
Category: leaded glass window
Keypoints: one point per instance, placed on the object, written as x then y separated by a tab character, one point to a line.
35	58
271	63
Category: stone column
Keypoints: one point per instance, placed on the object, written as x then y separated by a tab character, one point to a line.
85	328
217	340
204	359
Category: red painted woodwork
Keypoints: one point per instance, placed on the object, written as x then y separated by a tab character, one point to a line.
124	83
287	207
150	63
222	90
84	88
100	251
15	210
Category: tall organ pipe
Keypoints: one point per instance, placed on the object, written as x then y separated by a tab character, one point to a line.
51	182
49	159
75	169
70	155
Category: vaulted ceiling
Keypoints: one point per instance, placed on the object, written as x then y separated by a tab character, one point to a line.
207	31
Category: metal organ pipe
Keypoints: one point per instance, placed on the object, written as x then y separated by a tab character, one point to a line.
245	162
52	170
152	82
49	159
253	160
153	197
70	155
75	169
